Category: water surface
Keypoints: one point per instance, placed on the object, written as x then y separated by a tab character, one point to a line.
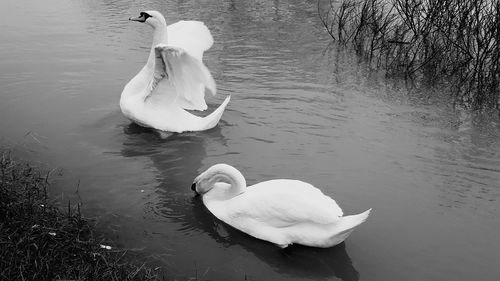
300	108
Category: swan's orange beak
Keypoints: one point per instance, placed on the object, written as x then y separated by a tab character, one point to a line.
141	18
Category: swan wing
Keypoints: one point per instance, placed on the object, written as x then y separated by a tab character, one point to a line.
187	74
283	203
192	36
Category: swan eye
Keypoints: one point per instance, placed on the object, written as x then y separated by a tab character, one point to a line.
145	15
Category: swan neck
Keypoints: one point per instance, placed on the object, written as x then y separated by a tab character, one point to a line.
235	179
159	37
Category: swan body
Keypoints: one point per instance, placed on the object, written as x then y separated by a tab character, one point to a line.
280	211
173	80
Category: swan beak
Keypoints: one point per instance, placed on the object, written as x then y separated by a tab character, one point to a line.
193	187
140	18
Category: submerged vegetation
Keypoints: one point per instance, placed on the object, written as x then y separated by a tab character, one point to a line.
39	241
453	42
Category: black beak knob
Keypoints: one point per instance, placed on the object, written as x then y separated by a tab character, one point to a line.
193	187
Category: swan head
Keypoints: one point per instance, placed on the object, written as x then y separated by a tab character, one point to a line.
151	18
207	180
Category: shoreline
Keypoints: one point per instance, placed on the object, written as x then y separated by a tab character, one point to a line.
40	241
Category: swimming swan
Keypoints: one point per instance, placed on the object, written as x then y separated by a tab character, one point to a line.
173	80
280	211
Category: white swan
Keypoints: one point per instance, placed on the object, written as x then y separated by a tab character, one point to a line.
280	211
173	80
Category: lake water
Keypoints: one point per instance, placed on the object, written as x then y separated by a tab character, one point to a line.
300	108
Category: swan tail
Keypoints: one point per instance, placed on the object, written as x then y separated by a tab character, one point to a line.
214	117
348	223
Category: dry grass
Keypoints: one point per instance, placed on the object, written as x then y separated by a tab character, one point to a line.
41	242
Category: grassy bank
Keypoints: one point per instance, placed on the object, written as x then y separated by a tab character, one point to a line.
39	241
451	42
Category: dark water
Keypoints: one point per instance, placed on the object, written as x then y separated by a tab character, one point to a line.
300	109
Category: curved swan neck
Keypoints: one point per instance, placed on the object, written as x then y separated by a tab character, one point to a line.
230	175
236	181
136	86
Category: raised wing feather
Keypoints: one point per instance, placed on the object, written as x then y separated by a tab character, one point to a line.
189	76
192	36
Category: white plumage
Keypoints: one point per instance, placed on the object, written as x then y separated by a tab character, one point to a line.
280	211
173	80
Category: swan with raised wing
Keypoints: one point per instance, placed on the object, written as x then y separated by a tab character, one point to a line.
173	80
280	211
